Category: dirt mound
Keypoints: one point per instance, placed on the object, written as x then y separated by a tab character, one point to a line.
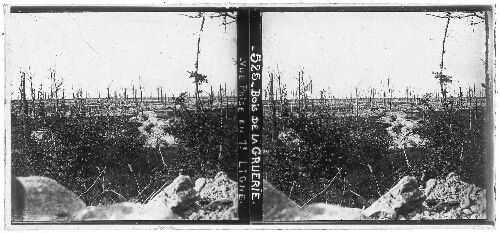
154	130
401	199
401	130
290	137
452	198
206	199
218	198
442	199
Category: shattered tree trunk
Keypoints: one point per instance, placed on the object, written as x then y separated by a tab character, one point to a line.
197	62
273	106
24	106
441	66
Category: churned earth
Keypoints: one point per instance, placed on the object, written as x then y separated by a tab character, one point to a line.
212	198
448	198
206	199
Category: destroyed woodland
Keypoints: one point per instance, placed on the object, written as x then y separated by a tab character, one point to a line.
373	155
382	165
126	152
133	161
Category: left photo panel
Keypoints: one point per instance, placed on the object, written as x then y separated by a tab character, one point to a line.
121	115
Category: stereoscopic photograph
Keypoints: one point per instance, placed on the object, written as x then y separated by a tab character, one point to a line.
333	115
378	115
120	115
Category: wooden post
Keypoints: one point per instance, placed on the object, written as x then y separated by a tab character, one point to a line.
475	108
469	95
390	100
273	108
32	93
281	93
135	94
299	92
221	123
385	104
211	96
225	94
24	107
357	103
460	96
175	106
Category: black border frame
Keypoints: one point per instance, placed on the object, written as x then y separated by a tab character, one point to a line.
363	7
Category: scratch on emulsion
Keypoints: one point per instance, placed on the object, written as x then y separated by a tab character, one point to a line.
82	35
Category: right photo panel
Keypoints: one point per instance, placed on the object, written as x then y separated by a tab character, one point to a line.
378	115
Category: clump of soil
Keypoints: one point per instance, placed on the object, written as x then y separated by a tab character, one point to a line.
218	195
401	130
209	199
218	199
154	130
452	198
447	198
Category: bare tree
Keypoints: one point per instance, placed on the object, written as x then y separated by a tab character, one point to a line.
444	80
56	85
24	109
196	75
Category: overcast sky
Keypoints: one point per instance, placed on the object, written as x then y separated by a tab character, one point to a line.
94	50
344	50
